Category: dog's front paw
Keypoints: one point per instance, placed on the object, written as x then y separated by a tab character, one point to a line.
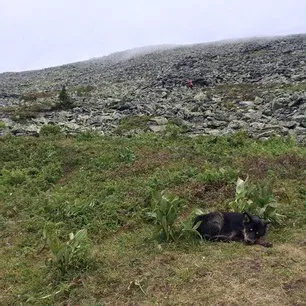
264	243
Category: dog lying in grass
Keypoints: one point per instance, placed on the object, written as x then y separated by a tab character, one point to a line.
231	226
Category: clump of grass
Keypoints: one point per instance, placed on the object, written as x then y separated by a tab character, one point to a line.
75	215
130	123
87	136
2	125
258	53
13	177
238	139
201	96
294	87
174	131
25	112
223	174
126	155
50	129
84	90
33	96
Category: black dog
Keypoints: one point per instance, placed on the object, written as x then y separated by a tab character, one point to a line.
230	226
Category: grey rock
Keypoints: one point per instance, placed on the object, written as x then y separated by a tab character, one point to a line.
208	113
252	116
41	120
265	134
157	128
246	103
258	100
216	124
237	124
279	103
19	129
164	94
257	125
213	132
158	121
301	119
221	116
289	124
71	126
267	110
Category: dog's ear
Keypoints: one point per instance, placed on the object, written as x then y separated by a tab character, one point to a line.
247	218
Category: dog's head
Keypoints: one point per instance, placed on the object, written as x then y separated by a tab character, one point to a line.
254	228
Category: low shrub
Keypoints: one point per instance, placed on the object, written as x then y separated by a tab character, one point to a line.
12	177
70	256
131	123
126	155
84	90
50	129
257	199
188	229
64	100
165	212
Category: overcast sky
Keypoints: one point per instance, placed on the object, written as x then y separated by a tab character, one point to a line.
42	33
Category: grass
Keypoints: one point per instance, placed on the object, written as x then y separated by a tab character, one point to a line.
103	185
84	90
22	113
131	123
233	93
33	96
34	103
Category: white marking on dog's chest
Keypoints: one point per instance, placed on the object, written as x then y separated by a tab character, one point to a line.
244	234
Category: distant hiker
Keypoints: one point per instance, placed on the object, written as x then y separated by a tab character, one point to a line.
189	84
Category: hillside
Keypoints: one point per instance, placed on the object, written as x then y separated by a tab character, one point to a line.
51	186
256	85
98	208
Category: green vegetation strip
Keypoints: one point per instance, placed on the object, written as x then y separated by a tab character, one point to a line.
81	220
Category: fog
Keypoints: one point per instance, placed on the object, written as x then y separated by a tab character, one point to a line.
37	34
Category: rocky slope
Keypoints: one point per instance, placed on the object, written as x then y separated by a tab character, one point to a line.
257	85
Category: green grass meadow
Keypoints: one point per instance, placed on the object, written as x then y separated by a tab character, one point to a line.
74	226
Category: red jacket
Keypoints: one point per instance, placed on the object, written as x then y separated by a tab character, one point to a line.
189	83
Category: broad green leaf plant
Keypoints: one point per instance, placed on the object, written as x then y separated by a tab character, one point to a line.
256	199
70	255
165	213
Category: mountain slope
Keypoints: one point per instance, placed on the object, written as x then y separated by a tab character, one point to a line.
258	85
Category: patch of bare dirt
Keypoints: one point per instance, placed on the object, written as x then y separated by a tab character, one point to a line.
286	166
249	266
294	286
146	162
207	194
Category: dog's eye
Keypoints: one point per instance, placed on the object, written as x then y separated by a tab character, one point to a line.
251	230
257	233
